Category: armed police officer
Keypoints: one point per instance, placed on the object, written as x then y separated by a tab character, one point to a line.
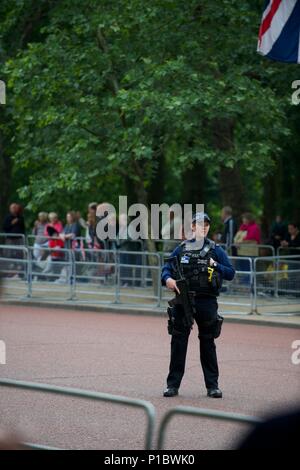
195	272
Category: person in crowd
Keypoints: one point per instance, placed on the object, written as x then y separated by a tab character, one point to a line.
14	224
80	220
90	234
14	228
112	227
292	239
125	245
70	236
55	245
92	253
38	231
90	225
249	233
230	227
249	230
54	222
92	208
71	231
278	232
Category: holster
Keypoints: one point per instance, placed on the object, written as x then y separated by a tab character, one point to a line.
171	320
218	327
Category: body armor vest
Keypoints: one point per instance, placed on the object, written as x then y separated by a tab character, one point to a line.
195	268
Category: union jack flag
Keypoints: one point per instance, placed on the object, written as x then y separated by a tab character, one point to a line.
279	34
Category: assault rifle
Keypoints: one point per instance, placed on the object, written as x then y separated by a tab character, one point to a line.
185	297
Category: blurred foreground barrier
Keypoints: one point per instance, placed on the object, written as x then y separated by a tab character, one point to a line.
202	413
146	406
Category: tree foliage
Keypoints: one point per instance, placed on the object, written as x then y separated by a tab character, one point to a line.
100	94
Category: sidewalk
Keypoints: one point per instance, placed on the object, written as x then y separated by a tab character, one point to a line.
280	320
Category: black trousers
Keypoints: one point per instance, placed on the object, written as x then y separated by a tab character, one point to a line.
205	318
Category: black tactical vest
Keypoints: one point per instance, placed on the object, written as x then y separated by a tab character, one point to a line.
195	268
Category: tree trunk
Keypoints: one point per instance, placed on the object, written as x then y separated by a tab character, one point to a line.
231	185
270	199
194	183
150	244
232	190
5	179
156	191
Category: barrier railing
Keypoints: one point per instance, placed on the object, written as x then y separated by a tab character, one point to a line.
58	270
250	249
146	406
18	238
203	413
90	395
78	243
131	277
235	249
31	239
14	266
288	250
276	278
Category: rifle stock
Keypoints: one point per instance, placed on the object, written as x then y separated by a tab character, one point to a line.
184	299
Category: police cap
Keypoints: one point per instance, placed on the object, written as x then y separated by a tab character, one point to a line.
200	216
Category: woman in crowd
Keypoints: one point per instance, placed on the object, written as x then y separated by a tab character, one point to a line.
71	231
40	240
54	222
250	228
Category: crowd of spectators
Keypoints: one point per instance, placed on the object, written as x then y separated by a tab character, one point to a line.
285	235
77	230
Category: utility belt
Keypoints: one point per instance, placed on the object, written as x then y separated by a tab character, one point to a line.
195	295
216	326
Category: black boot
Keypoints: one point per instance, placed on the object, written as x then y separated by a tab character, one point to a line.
214	393
170	392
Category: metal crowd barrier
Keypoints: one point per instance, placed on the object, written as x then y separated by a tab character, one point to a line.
117	275
31	239
240	249
81	241
133	278
58	272
134	403
14	266
13	236
203	413
288	250
90	395
250	249
240	287
276	279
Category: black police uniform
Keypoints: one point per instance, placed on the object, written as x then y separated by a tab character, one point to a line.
194	266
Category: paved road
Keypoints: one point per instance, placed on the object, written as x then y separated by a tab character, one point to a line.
129	355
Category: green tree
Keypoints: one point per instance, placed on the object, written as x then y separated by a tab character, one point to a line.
129	92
